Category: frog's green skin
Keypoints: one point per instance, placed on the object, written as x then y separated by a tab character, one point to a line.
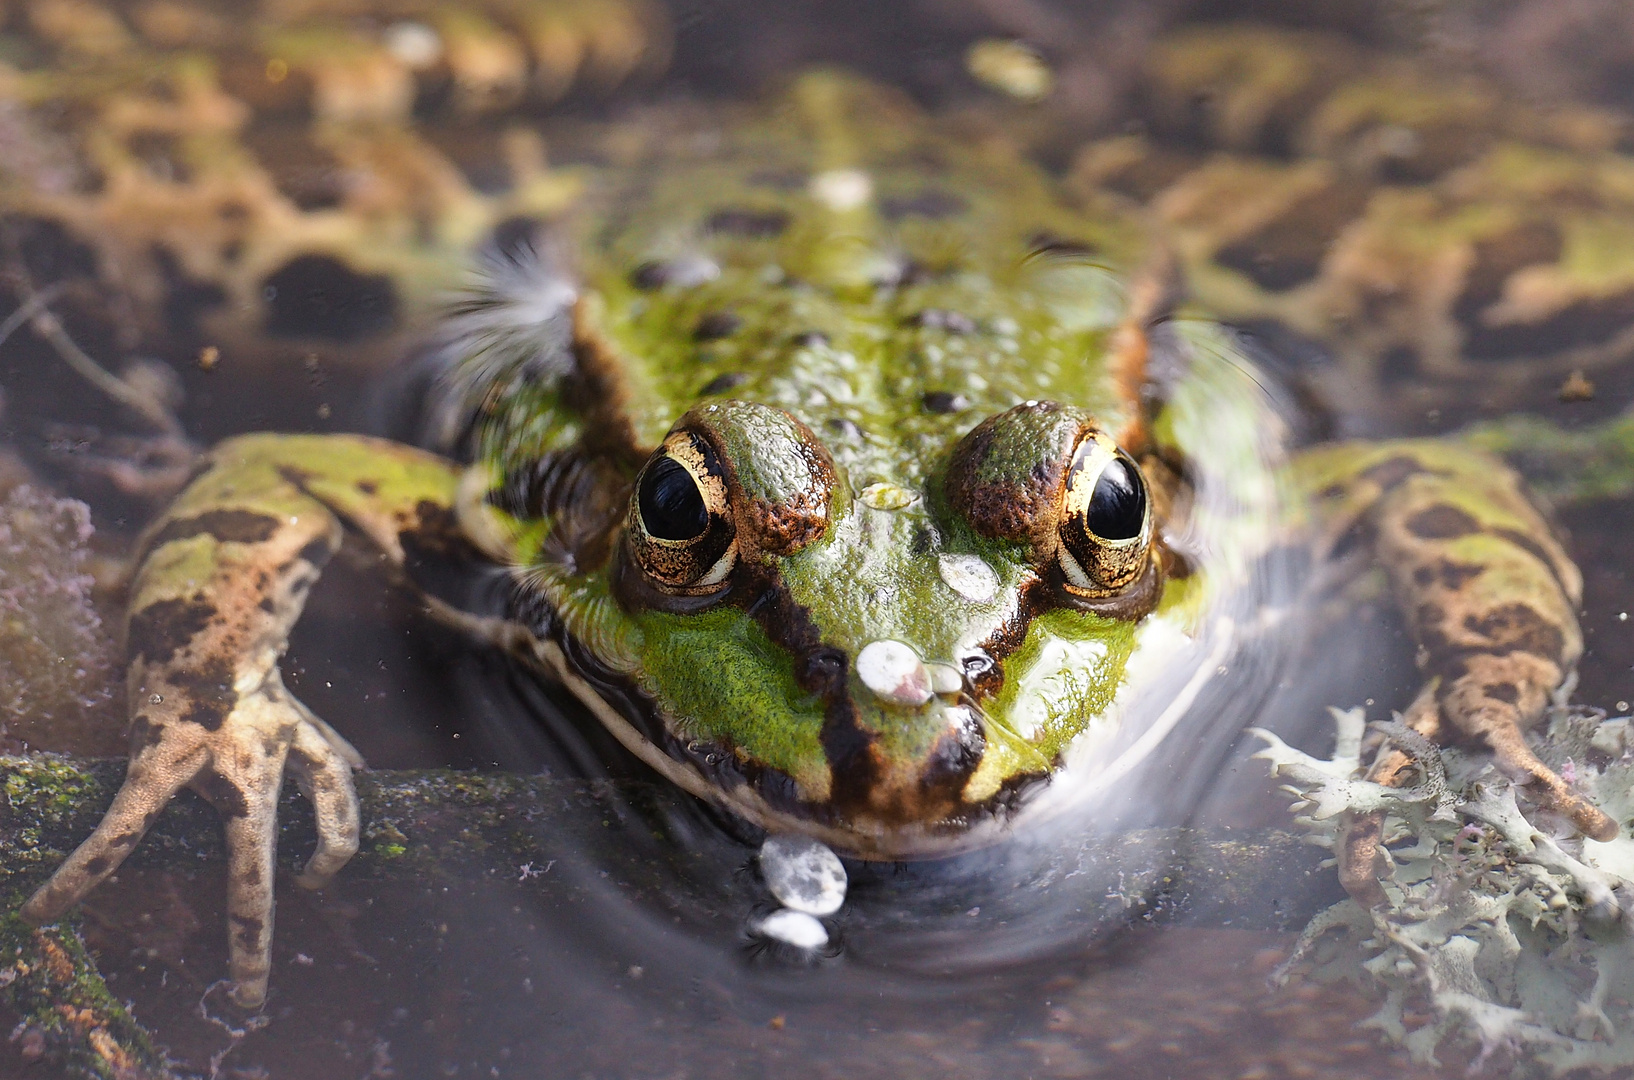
878	346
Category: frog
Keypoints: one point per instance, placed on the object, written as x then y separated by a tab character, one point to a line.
853	475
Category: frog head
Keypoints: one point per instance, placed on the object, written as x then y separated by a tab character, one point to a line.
889	664
816	476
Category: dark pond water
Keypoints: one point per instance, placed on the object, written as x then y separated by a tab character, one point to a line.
620	949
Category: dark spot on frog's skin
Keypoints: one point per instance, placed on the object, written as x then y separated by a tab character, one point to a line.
1450	574
318	552
649	276
268	606
906	272
820	670
163	628
97	865
1388	474
714	325
951	761
226	526
1048	243
319	296
809	339
367	487
684	273
210	693
953	322
222	794
944	402
126	840
1442	522
755	224
1506	692
1289	251
1518	628
931	203
144	733
720	384
1427	622
247	928
1588	321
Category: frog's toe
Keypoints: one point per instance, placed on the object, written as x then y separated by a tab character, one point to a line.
251	819
1546	786
325	777
156	772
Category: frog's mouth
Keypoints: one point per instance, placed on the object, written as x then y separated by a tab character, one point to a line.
915	824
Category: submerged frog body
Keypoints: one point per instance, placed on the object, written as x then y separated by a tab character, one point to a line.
846	472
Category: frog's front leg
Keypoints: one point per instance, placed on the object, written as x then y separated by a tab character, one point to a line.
222	579
1489	596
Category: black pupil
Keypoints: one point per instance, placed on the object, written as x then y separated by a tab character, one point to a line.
1118	506
672	507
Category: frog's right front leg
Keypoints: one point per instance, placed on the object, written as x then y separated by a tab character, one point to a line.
224	578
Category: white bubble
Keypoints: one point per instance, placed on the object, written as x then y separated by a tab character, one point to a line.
803	874
894	672
841	189
415	44
969	576
793	928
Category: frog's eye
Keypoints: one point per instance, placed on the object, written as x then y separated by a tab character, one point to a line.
1105	525
681	529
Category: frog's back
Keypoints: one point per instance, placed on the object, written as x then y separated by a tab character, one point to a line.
842	257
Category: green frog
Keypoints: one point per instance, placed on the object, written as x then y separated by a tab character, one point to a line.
853	474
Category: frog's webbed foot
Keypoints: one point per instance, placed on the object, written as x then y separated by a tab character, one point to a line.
1497	725
237	765
1466	706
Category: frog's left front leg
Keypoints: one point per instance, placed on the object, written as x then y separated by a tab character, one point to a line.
224	577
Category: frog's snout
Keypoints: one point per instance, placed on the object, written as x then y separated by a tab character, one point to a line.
909	693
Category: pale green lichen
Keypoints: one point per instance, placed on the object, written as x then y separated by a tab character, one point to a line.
1515	933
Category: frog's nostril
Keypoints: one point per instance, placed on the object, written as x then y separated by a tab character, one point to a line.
894	672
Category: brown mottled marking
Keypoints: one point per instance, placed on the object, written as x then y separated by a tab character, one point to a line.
1518	627
228	526
209	692
1442	523
163	628
1388	474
